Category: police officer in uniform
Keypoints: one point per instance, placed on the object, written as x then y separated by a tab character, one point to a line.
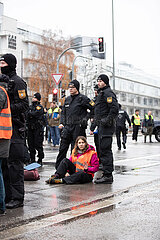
17	91
106	111
74	116
121	127
35	123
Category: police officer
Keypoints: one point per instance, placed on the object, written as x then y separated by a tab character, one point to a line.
35	123
121	127
17	91
106	111
73	120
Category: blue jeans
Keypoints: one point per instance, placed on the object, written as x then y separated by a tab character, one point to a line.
2	189
55	135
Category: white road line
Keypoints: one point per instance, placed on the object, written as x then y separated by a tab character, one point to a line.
59	218
133	159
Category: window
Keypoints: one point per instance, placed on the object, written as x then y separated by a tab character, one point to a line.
123	97
11	41
139	100
145	101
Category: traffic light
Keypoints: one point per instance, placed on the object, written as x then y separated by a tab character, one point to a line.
55	92
63	93
100	45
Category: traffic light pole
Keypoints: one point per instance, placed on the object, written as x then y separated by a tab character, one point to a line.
113	45
58	60
74	63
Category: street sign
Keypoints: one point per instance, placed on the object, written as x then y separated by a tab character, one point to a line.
57	77
50	97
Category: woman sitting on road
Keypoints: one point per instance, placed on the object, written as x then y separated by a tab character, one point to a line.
81	165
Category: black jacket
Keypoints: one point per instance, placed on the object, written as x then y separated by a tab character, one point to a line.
35	116
122	118
106	108
74	110
17	91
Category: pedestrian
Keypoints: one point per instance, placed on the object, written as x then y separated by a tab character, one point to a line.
73	121
135	121
148	123
5	134
121	127
106	111
53	122
81	165
35	123
17	91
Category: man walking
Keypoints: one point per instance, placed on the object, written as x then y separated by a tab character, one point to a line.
106	111
135	120
148	123
121	127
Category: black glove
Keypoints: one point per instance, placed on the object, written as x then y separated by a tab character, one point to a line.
4	78
107	122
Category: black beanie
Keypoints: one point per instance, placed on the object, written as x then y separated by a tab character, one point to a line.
4	78
38	96
75	83
104	78
10	59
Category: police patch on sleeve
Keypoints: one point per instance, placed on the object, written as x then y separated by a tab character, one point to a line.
92	103
109	99
22	94
38	107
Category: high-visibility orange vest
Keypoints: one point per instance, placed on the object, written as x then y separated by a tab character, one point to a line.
5	120
79	162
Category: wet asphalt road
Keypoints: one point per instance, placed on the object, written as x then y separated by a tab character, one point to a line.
127	209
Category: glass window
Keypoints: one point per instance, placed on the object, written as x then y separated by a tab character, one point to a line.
11	41
145	101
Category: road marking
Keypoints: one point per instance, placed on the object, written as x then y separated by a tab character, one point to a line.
20	231
133	159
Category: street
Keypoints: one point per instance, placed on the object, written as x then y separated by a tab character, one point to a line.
127	209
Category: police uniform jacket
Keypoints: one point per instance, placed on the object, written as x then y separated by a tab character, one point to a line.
122	117
17	91
106	108
35	116
74	110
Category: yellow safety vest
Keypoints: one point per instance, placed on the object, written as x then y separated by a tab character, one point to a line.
136	119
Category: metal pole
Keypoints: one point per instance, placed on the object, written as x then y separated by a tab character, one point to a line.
113	45
69	49
74	63
21	63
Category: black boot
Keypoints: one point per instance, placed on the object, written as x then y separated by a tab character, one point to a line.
104	179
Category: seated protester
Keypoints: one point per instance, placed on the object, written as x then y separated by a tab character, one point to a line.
81	165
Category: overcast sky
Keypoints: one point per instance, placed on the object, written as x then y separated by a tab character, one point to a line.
137	30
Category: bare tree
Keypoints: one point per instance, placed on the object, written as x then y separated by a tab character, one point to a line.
43	62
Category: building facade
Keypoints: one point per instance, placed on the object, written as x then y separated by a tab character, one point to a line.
134	88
